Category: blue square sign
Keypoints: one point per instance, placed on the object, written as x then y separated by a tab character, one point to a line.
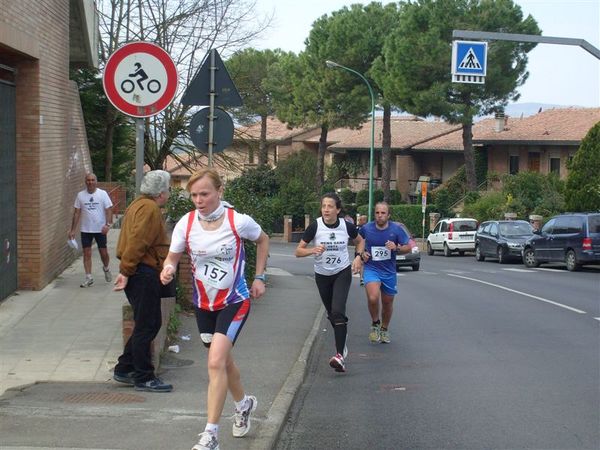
469	61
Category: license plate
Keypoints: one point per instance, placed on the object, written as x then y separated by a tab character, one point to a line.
402	257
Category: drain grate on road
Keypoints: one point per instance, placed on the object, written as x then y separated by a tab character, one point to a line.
105	398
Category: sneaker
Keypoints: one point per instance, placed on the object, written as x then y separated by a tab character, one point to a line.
107	275
124	377
207	441
374	335
241	419
345	353
362	282
154	385
338	363
87	283
384	337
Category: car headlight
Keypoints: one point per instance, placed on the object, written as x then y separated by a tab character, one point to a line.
415	249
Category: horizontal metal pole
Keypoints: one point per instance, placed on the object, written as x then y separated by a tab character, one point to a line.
466	34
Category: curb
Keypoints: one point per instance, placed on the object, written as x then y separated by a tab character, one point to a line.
271	428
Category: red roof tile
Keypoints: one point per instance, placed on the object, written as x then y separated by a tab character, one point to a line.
276	130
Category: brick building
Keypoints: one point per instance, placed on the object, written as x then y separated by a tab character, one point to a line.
43	147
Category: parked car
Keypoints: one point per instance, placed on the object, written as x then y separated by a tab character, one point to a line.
452	235
412	259
572	238
502	239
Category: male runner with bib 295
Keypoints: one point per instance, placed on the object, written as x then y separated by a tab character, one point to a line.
383	240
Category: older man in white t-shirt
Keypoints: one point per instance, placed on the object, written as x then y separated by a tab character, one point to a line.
94	207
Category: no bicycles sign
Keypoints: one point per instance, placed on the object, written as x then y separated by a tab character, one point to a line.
140	79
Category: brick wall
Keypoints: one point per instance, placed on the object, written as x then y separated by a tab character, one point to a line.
52	152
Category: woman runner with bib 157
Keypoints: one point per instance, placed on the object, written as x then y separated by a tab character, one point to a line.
212	236
333	268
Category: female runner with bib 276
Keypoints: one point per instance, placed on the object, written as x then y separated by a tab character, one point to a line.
333	273
212	236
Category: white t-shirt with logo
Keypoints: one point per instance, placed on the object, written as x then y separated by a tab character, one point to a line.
335	257
93	210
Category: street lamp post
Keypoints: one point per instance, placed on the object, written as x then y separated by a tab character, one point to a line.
372	152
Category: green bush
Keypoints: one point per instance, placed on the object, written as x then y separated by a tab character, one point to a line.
409	215
347	196
491	205
582	191
362	197
178	204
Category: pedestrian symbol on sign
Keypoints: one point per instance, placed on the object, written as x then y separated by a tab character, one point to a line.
470	61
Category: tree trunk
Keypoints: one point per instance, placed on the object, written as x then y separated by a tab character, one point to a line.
109	132
467	135
263	156
386	152
321	159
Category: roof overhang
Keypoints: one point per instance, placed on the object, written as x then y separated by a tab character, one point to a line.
84	34
525	143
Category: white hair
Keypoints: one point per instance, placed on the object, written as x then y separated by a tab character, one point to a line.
155	182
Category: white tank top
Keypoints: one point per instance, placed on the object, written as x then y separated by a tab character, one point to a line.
335	257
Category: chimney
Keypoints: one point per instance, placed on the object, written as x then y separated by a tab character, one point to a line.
500	122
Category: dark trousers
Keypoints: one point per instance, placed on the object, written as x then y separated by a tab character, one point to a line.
143	293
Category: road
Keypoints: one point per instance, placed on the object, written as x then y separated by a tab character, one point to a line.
483	355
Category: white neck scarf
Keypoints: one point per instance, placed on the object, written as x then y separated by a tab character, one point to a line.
217	213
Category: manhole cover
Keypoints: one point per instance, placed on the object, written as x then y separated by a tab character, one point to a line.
104	398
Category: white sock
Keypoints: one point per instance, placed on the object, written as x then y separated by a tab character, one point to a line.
106	268
88	276
212	428
242	404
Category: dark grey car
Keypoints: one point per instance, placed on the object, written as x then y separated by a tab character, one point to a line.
572	238
502	239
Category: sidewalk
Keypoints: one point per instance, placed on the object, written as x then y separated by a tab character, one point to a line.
58	347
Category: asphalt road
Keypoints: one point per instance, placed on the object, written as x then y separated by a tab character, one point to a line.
483	356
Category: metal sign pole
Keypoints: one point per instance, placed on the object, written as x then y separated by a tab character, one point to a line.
139	153
211	111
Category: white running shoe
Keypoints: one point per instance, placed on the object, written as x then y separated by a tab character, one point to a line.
241	419
107	275
208	441
384	336
87	283
375	334
338	363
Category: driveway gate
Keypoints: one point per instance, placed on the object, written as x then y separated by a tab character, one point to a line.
8	184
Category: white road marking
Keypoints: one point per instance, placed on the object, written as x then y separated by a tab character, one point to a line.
287	255
597	318
519	270
550	269
277	271
545	300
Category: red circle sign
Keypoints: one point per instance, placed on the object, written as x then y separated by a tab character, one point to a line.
140	79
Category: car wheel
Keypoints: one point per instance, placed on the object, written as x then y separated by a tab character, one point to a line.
415	267
429	249
478	255
571	261
501	255
447	251
529	258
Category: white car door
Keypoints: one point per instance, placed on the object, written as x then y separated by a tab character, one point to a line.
436	238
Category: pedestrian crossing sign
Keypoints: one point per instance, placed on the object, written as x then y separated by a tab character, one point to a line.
469	62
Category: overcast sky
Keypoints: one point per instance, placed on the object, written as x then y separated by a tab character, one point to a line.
560	75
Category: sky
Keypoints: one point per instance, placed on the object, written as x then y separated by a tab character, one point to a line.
558	74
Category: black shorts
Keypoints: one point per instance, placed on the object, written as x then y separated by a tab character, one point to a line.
228	321
88	238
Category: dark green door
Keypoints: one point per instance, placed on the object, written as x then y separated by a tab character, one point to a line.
8	192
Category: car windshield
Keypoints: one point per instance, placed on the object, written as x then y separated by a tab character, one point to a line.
465	225
515	229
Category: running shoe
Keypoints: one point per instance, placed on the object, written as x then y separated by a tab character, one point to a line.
207	441
338	363
87	283
345	353
241	419
374	335
384	337
154	385
107	275
362	282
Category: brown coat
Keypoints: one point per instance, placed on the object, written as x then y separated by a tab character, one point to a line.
143	237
